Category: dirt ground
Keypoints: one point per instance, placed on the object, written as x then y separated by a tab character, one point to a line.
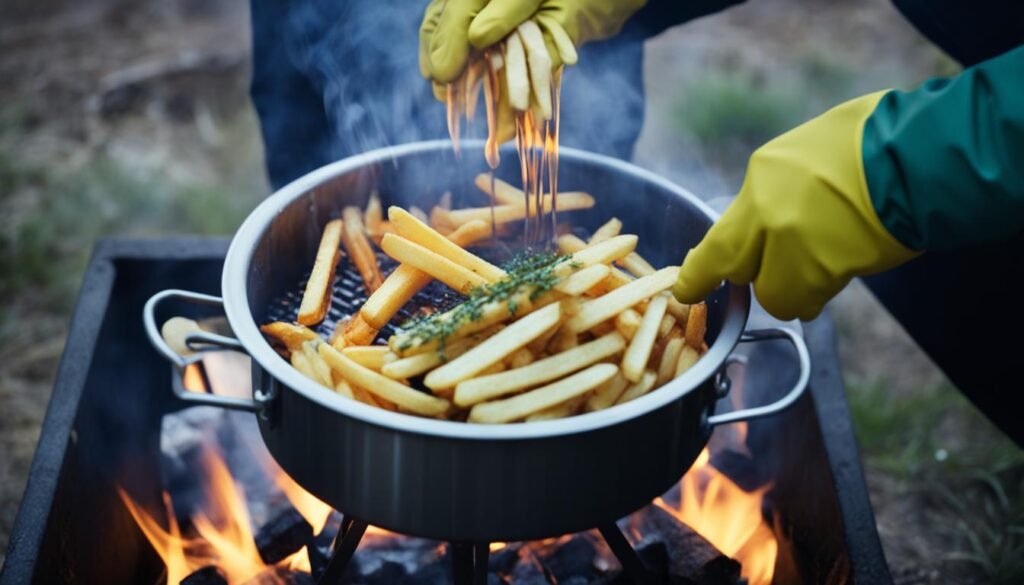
133	117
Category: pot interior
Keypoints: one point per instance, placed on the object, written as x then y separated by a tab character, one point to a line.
285	230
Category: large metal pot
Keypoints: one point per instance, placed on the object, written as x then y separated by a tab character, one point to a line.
456	481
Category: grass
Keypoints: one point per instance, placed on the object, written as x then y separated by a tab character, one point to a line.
53	212
970	475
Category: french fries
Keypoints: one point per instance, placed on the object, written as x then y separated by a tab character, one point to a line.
402	284
696	325
518	407
408	252
382	386
359	250
536	340
419	232
640	346
484	388
605	307
568	201
317	297
494	349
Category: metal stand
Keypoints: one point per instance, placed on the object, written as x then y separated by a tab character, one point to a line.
345	543
632	565
469	563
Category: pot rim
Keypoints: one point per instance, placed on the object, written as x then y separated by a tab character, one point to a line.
234	288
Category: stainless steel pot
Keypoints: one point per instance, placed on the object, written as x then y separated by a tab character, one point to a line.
465	482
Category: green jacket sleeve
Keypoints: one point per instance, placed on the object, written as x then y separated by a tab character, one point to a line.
944	163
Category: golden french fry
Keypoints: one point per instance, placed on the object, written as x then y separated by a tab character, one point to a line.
627	323
570	244
374	213
618	300
357	332
403	284
405	251
687	357
611	228
606	394
640	388
537	346
678	310
636	265
417	231
696	325
564	340
415	365
292	336
480	389
567	201
503	194
667	368
176	331
639	351
371	356
563	43
359	250
494	349
300	361
539	64
343	388
583	280
520	359
317	297
525	404
666	325
319	367
382	386
516	78
567	408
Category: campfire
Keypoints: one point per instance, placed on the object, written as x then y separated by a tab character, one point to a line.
705	529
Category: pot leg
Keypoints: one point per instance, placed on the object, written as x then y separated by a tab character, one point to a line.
345	543
469	563
632	565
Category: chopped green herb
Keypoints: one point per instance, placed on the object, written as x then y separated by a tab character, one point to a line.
526	271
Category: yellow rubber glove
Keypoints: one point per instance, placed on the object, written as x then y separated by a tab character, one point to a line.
803	224
452	28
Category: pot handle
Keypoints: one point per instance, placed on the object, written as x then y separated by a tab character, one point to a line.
804	359
200	341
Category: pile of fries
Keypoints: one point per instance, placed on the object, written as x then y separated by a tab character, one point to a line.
546	337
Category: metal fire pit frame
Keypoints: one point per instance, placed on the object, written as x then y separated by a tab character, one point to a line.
36	528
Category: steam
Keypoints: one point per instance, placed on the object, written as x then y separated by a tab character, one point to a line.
362	59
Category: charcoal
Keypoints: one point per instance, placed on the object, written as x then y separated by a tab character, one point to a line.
529	570
284	535
209	575
573	559
688	557
503	561
280	576
388	573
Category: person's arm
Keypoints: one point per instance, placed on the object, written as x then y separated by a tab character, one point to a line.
945	163
867	186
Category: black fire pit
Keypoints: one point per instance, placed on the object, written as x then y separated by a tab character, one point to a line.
102	431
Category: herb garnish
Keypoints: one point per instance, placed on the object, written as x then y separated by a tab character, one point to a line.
528	270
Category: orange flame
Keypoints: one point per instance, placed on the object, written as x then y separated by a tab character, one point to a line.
728	517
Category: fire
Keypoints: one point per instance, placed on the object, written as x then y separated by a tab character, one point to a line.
728	517
224	535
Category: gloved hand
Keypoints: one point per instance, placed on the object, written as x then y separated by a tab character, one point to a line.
803	224
451	28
